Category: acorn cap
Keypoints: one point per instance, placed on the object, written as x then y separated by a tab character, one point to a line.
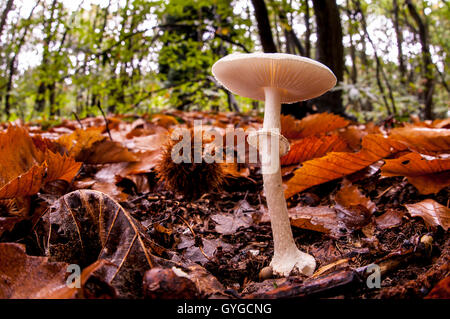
297	78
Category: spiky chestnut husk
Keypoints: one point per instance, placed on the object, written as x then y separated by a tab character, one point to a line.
189	179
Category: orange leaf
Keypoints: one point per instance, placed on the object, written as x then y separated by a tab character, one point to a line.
312	147
90	146
106	151
311	125
350	197
26	184
339	164
80	140
423	140
18	154
428	176
433	213
321	219
29	277
61	167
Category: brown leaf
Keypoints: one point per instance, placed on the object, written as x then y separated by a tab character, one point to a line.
311	125
429	176
441	290
28	277
228	224
26	184
80	140
18	154
351	198
321	219
25	167
312	147
160	283
96	290
392	218
423	140
339	164
7	223
86	225
90	146
433	213
61	167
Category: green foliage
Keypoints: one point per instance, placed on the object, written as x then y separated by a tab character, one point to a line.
139	56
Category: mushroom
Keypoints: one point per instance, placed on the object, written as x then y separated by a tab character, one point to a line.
276	78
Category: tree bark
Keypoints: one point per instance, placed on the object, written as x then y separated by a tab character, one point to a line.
428	66
330	51
399	36
4	17
308	31
264	30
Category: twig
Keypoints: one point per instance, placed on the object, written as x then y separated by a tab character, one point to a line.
78	120
195	237
106	121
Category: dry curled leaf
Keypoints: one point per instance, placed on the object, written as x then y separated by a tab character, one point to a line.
429	176
312	147
28	277
433	213
424	140
86	225
311	125
321	219
391	218
90	146
339	164
91	287
25	167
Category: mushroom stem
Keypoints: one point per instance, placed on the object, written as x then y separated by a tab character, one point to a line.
286	257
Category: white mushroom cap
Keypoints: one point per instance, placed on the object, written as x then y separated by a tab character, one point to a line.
297	78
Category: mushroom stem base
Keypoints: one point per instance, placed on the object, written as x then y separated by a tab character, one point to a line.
293	262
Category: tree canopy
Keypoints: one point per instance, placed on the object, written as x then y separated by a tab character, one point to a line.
59	57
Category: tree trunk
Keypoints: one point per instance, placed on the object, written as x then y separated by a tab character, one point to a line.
264	30
4	17
308	31
427	67
330	51
399	36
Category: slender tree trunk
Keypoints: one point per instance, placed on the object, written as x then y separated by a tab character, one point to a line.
379	68
4	17
307	31
330	51
264	30
428	66
13	62
399	36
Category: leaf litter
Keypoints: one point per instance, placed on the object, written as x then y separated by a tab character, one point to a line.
355	195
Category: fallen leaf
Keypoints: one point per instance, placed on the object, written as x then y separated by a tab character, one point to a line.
7	224
423	140
97	290
312	147
228	224
311	125
391	218
429	176
86	225
164	283
433	213
441	290
349	196
321	219
339	164
28	277
90	146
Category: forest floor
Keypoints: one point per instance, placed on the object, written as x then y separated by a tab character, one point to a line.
89	194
